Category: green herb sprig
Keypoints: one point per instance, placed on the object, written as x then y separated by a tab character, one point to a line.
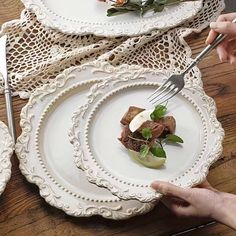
158	113
157	148
139	6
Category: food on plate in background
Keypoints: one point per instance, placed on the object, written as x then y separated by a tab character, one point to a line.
139	6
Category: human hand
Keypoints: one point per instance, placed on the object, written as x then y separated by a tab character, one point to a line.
201	201
227	49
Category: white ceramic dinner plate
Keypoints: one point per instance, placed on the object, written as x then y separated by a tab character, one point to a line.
96	128
46	155
89	17
6	150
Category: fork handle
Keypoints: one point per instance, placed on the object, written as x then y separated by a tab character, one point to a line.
207	49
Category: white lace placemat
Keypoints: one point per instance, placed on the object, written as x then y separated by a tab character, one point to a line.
37	54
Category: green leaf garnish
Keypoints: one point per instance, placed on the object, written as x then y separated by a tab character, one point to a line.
158	7
158	113
118	11
135	2
174	138
148	2
158	151
146	133
144	150
140	6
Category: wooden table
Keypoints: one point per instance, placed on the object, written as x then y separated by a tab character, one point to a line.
24	212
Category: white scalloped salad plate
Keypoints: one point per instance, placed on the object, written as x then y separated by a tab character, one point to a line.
46	155
89	17
6	150
96	128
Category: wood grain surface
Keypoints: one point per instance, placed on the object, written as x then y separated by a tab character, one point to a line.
24	212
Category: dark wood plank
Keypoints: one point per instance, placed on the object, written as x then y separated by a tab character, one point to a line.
213	230
24	212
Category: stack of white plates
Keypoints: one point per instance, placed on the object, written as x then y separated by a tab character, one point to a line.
69	147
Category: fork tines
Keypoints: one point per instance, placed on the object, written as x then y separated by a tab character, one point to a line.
167	90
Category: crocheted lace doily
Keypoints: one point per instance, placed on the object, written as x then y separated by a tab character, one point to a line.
36	54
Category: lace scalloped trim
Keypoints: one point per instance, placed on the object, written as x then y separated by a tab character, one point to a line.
36	54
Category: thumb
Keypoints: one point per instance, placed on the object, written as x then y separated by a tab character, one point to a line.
225	27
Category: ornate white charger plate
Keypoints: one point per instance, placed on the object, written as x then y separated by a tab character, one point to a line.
89	17
6	150
46	155
96	127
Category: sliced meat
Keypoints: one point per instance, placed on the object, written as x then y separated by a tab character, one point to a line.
169	123
130	143
156	128
130	114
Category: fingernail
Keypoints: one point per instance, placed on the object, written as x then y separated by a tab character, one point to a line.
154	184
224	60
232	62
221	59
213	25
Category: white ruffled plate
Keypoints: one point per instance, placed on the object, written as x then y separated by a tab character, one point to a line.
46	155
6	150
89	17
96	128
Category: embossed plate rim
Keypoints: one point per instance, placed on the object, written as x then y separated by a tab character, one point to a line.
7	148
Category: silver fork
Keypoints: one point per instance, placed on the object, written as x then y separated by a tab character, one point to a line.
175	83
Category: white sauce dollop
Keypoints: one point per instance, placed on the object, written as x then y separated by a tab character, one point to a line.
139	119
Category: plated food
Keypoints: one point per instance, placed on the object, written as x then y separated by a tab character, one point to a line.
120	187
139	6
145	133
